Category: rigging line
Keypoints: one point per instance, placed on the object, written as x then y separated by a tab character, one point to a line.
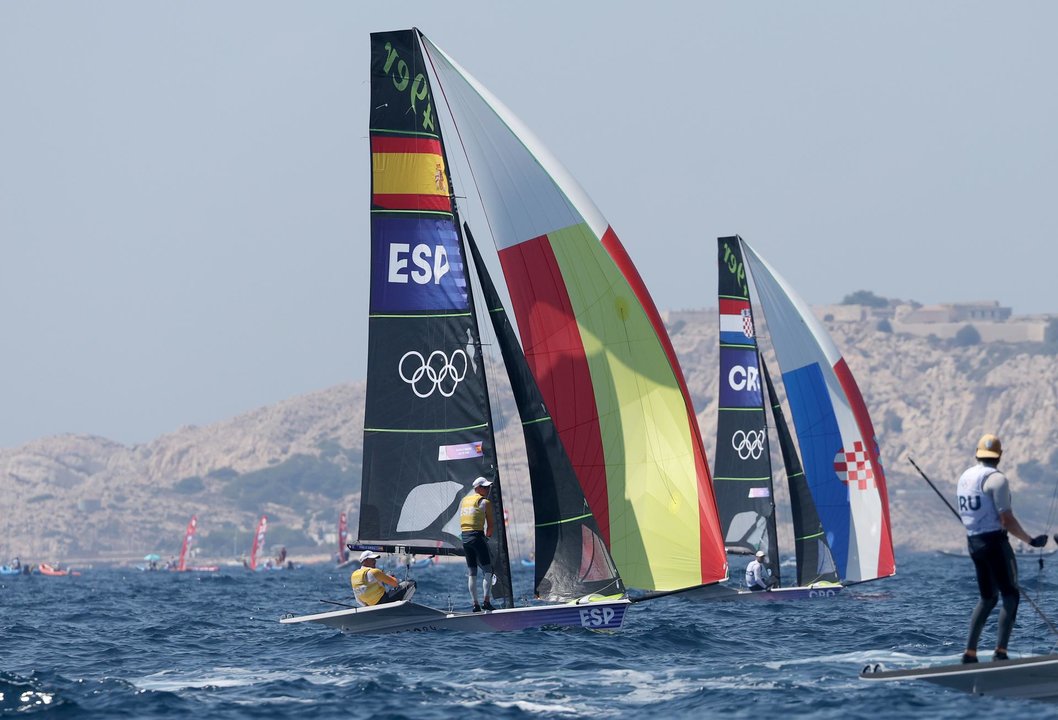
955	512
459	132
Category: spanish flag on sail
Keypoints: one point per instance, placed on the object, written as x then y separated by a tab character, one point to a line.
408	174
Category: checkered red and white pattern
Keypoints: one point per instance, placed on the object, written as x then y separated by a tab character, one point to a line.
747	322
854	467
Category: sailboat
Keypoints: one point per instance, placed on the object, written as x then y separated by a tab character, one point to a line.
185	551
838	496
619	480
343	559
257	545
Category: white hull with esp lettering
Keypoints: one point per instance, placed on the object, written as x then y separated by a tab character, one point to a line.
407	616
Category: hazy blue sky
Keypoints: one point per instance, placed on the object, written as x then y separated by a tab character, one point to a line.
184	186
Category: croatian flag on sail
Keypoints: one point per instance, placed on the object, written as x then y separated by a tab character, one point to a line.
736	322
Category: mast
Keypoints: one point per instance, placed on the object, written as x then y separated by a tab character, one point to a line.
742	477
498	544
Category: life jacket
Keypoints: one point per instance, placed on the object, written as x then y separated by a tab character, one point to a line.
367	589
976	507
472	510
756	571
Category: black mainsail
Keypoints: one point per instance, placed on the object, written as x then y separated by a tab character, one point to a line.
742	476
427	426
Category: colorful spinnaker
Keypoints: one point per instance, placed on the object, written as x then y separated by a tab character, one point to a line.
839	449
596	345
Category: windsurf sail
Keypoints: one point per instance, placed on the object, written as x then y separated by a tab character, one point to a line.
839	448
185	549
257	549
343	539
592	338
428	432
571	559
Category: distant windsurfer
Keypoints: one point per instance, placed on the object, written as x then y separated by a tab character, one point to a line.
475	523
758	576
985	508
368	582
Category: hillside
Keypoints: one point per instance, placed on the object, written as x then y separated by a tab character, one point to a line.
77	496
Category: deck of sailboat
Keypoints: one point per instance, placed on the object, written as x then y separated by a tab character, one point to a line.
718	593
408	616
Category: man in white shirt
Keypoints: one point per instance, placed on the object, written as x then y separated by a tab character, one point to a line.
758	576
985	508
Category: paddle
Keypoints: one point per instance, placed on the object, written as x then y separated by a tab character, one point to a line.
1024	592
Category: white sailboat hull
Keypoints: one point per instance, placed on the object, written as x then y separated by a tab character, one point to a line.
407	616
714	593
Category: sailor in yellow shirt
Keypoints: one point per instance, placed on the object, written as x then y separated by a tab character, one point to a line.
475	523
368	583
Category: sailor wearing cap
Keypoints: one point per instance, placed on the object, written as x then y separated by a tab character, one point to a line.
475	524
758	576
368	583
985	508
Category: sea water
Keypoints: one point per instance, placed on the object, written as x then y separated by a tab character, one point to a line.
125	643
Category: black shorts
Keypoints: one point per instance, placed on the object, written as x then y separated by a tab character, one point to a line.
994	561
476	548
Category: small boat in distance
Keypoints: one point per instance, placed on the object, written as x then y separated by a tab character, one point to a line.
49	570
185	551
343	559
15	568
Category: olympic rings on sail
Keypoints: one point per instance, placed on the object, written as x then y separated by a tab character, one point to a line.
751	444
436	372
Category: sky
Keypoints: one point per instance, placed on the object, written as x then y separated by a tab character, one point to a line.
184	187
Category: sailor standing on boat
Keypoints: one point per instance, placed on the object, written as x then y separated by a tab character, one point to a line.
985	509
368	583
475	523
758	576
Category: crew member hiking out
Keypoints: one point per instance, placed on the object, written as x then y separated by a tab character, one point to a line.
369	583
475	523
985	509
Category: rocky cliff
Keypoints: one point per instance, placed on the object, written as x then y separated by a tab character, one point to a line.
299	461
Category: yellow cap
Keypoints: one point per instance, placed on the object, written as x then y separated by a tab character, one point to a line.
989	447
